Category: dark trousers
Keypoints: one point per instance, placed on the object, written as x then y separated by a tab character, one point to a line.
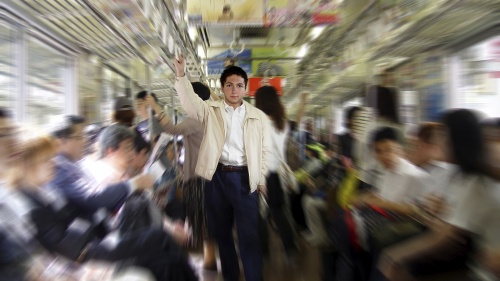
276	202
228	202
151	248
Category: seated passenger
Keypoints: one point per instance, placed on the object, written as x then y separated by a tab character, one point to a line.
314	204
74	184
400	182
142	151
116	151
60	229
472	213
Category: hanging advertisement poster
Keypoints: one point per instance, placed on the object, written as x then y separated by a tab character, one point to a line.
293	13
216	67
270	68
244	12
254	83
433	86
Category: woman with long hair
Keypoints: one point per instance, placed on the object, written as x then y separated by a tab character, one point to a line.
267	100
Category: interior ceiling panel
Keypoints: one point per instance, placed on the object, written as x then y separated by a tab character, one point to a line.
79	24
448	22
221	37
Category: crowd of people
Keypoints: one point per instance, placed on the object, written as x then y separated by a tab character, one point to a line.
379	201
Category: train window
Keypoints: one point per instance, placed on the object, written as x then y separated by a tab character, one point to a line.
478	73
45	83
114	84
7	66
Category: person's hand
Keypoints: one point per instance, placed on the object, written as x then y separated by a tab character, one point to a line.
366	198
262	189
180	65
150	101
180	235
143	182
434	205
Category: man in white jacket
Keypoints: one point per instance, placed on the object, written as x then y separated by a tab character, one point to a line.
234	157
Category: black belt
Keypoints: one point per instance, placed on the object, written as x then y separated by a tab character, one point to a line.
227	168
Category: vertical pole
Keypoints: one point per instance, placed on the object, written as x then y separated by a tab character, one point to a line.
174	120
150	110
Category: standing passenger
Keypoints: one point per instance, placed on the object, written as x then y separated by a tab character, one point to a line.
267	100
234	157
192	130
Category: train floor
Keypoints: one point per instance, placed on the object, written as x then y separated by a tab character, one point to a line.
306	266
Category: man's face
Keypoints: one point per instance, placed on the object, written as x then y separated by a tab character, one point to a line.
74	145
142	109
387	153
234	90
7	142
124	155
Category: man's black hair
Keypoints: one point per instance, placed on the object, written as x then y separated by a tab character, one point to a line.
142	95
384	134
233	70
140	143
64	129
201	90
349	115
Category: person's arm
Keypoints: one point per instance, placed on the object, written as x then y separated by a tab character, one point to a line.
185	128
394	262
195	107
112	197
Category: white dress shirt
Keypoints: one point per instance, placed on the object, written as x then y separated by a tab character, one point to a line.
404	184
233	152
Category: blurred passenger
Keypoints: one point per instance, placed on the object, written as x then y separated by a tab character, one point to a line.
91	133
192	132
17	245
346	140
142	150
314	203
60	229
382	111
123	111
142	111
305	177
400	182
472	213
71	181
426	154
267	100
300	137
